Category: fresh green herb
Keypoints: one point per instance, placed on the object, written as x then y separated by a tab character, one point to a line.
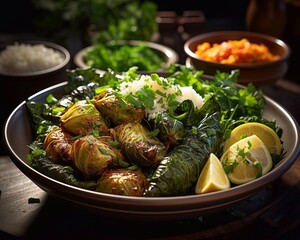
155	77
101	89
90	141
94	132
160	93
172	102
108	20
211	132
258	166
194	130
146	96
97	123
50	99
236	213
76	137
229	166
236	103
133	167
120	58
125	19
103	151
58	110
249	144
240	152
160	101
122	163
153	133
114	144
33	200
82	77
243	136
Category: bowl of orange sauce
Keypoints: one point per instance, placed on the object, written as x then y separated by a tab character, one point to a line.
259	58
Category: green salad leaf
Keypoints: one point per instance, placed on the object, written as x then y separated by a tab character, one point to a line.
119	58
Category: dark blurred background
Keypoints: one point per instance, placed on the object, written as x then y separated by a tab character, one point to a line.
18	19
17	15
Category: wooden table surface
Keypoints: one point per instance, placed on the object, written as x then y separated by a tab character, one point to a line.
273	213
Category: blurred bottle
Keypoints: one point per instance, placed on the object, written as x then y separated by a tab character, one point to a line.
191	23
292	37
293	18
266	16
168	33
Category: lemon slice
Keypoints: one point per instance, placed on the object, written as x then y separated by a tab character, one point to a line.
265	133
246	160
213	177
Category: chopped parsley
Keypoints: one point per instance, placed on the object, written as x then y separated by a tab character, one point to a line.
33	200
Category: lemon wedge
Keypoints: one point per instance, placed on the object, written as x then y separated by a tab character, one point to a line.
213	177
246	160
265	133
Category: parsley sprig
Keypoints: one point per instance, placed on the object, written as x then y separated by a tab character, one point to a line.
243	156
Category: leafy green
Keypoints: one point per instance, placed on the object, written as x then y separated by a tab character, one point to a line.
178	172
125	20
65	174
39	121
33	200
239	104
235	101
142	98
81	77
95	21
121	57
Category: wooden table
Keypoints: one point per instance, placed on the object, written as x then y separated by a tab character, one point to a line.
270	214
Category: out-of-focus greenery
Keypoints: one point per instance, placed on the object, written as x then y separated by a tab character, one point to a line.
97	21
120	58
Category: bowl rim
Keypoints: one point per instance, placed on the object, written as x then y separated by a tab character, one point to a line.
240	34
151	206
171	54
281	70
65	53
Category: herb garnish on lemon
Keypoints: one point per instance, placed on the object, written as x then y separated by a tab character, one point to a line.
246	160
265	133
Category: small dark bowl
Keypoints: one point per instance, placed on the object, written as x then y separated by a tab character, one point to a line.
256	73
169	55
16	87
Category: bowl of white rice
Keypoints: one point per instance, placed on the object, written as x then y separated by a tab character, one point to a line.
31	58
27	67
